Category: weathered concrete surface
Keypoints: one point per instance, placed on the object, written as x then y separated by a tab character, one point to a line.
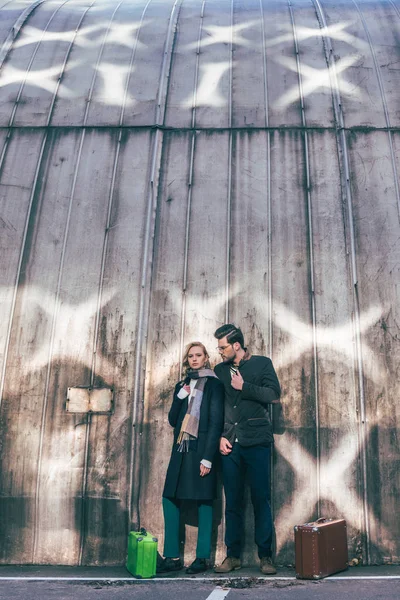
359	583
166	166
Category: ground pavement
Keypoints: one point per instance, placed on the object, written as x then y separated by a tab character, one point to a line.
115	583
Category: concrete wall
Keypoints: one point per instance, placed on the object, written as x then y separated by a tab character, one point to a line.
167	166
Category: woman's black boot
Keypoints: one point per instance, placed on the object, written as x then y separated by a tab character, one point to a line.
199	565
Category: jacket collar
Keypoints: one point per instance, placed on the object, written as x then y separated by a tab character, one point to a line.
245	358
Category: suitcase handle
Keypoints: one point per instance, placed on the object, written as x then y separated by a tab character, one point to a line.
143	531
322	520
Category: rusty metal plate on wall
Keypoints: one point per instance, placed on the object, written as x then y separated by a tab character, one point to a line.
94	400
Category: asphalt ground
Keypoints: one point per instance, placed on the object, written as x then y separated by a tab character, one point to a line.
115	583
346	589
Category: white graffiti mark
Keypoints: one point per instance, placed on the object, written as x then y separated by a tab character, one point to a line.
114	81
208	93
336	486
202	314
217	34
314	79
32	35
43	78
336	31
73	329
125	34
339	340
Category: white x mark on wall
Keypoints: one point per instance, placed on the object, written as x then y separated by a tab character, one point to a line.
337	485
33	35
339	340
314	79
43	78
73	328
217	34
336	31
123	34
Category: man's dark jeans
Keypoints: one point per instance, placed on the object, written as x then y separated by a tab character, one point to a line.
254	460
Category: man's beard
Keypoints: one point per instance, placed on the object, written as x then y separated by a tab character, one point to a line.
228	361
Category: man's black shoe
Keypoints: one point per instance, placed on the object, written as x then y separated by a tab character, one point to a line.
199	565
169	564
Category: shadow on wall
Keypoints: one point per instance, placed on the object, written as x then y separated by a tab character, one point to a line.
62	488
59	536
66	523
341	492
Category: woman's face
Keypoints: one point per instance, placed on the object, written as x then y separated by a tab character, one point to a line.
196	357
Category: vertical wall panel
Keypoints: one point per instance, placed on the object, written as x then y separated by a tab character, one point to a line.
110	437
47	66
206	282
70	108
19	412
183	72
70	352
341	478
114	68
282	80
315	81
215	63
14	198
250	252
378	232
205	306
164	350
248	87
383	26
291	313
356	76
147	68
250	262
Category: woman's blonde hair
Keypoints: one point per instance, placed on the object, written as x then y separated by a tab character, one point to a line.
185	361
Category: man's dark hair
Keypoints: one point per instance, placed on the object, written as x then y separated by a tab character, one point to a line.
233	334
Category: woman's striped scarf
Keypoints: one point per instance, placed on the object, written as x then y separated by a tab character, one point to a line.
190	425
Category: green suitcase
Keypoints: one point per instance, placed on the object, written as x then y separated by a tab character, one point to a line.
142	554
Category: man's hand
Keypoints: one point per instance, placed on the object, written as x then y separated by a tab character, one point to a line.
204	470
237	381
225	447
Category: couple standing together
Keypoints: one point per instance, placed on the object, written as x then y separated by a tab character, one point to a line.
229	410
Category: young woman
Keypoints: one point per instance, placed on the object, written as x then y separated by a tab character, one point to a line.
197	417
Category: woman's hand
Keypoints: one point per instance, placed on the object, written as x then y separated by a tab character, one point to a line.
204	470
187	388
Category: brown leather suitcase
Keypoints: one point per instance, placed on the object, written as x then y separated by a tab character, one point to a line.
320	548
